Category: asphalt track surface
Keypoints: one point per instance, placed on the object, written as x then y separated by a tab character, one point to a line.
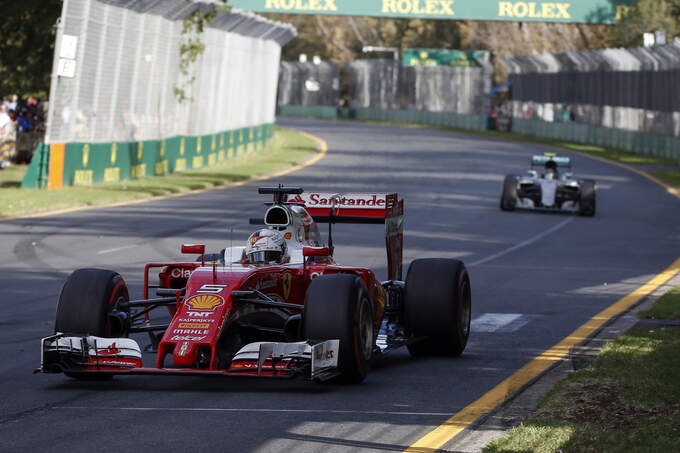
530	290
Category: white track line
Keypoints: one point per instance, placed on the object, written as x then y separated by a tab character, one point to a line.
523	244
116	249
220	409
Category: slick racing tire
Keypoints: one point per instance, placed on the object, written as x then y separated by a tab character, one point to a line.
587	198
437	307
337	306
509	197
89	304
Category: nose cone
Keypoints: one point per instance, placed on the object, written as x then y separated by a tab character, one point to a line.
185	354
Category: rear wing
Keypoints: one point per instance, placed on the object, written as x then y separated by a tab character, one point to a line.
560	161
348	207
362	207
356	208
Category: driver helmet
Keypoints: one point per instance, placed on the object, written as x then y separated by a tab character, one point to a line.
550	170
266	247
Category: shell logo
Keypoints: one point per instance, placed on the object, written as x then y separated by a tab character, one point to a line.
205	302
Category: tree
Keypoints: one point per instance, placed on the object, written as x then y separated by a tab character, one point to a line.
648	16
27	33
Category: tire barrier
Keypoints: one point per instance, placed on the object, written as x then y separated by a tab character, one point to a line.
7	151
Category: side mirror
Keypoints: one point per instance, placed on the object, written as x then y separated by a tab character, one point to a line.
198	249
315	251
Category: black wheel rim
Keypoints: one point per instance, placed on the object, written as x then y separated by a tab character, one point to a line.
466	309
365	329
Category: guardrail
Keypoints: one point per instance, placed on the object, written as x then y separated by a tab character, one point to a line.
446	119
640	143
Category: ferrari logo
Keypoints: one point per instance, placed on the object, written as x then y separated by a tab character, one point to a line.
140	150
287	280
114	153
181	147
162	148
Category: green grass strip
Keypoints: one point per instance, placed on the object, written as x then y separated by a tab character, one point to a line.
627	400
287	148
667	307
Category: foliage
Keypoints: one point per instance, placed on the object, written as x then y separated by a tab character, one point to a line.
647	16
341	38
191	46
27	32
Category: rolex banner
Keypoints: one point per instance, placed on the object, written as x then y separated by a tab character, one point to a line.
580	11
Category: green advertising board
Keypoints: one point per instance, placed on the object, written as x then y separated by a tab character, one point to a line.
435	57
570	11
85	164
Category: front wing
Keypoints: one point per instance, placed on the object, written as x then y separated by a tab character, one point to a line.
80	356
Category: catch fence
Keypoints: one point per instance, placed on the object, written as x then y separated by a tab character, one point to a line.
386	84
116	83
630	89
308	83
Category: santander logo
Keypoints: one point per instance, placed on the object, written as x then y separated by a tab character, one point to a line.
347	200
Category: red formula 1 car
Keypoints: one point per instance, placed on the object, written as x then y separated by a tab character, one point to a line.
253	311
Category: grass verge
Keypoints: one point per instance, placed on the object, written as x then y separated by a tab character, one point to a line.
627	400
287	148
667	307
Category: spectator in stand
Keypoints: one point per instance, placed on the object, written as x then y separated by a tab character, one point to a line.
13	102
24	121
5	121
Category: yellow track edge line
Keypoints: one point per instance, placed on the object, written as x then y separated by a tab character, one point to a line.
436	438
322	150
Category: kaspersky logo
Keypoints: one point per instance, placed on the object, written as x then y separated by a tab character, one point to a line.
204	302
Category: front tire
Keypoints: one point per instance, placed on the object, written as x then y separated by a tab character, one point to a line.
87	302
437	306
86	306
587	198
337	306
509	196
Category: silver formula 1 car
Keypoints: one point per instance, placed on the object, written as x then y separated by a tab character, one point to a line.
549	190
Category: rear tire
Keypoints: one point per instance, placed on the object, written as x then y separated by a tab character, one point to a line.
509	196
437	306
337	306
587	198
